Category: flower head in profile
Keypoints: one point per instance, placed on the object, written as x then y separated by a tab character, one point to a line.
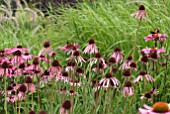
109	81
46	49
128	90
157	108
156	36
64	109
140	13
143	76
118	55
91	47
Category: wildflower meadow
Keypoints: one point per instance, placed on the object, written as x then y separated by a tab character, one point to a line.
84	57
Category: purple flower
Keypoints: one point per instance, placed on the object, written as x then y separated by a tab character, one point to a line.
64	109
91	47
128	90
143	76
155	36
140	13
109	81
118	55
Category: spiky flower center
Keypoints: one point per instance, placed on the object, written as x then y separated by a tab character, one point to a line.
141	7
91	41
98	55
126	73
128	84
76	53
160	107
108	75
47	44
117	49
66	104
112	60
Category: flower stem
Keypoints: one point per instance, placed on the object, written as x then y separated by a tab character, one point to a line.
136	38
5	103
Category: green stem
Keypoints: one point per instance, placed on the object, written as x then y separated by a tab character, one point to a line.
136	37
5	103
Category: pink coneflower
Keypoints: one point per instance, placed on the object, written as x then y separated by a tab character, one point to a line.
77	57
63	76
147	51
29	84
64	109
126	64
118	55
55	68
100	67
22	92
155	36
46	49
127	74
147	96
143	76
42	112
144	59
27	56
18	48
17	58
98	58
52	54
91	47
34	68
128	90
63	90
70	47
70	65
152	53
95	84
31	112
12	98
140	13
157	108
109	81
133	66
43	58
9	89
75	83
72	92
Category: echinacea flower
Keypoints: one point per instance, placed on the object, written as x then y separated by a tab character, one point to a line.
70	65
147	96
98	58
42	112
55	68
157	108
140	13
128	90
156	36
64	109
29	84
63	76
126	64
126	74
46	49
22	92
143	76
31	112
70	48
109	81
91	47
77	57
75	83
118	55
152	53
